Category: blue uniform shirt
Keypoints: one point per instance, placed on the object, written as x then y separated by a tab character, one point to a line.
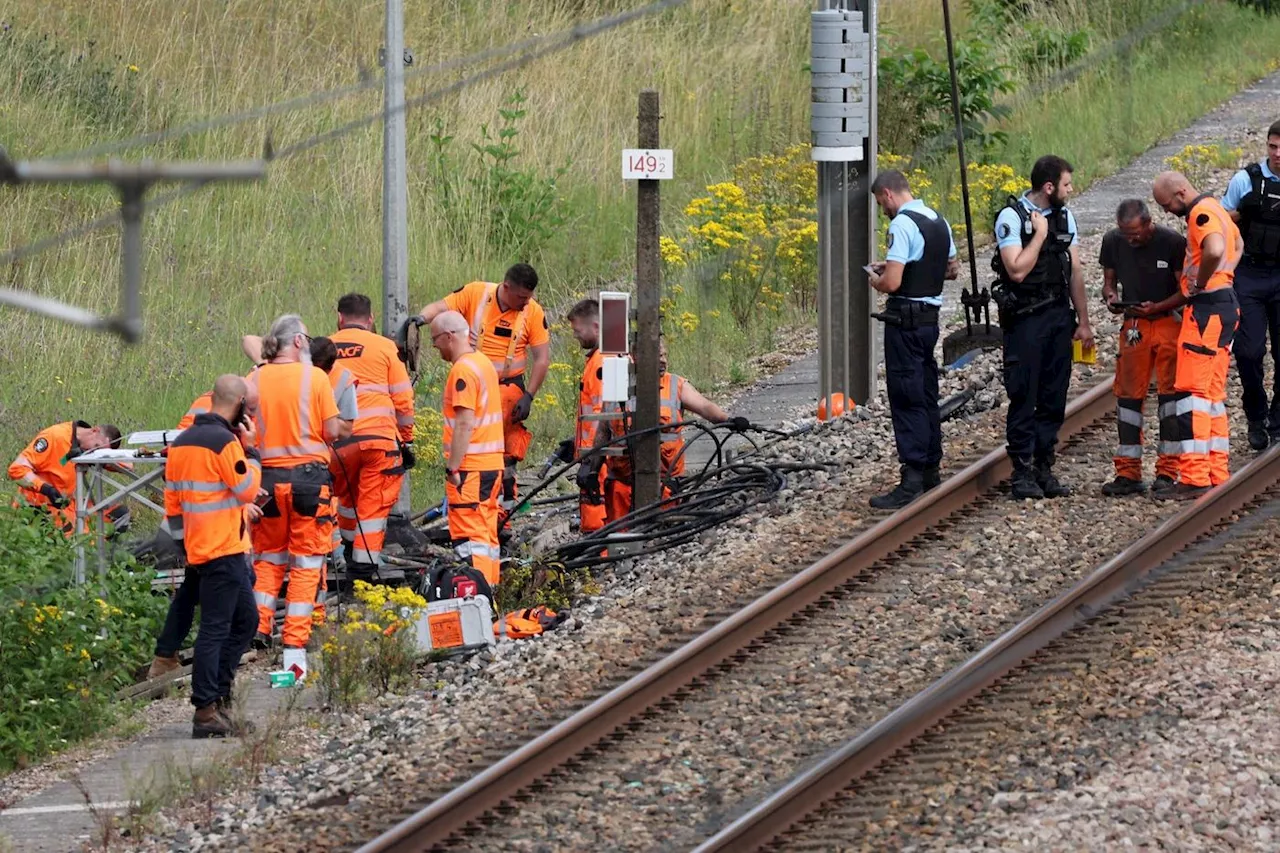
906	243
1241	185
1008	225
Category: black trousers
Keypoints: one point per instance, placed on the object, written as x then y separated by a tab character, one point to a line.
228	620
1258	290
911	378
1037	372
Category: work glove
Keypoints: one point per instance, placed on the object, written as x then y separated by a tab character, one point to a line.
523	406
738	424
57	498
589	477
564	452
407	459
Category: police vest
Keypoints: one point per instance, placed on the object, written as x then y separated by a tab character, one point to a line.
1260	218
1052	272
925	277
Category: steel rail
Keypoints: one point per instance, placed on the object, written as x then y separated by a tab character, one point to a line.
489	788
1115	579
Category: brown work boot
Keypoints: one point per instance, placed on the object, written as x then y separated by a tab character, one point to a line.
208	722
162	665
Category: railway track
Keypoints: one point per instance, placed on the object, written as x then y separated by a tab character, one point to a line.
921	774
559	770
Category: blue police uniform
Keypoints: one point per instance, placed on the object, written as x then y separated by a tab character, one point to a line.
1038	325
921	241
1254	193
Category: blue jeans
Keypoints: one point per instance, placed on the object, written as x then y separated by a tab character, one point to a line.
228	620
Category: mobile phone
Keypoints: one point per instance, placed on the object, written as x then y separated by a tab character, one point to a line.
1126	303
871	269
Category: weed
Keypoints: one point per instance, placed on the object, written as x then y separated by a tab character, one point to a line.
373	650
1199	162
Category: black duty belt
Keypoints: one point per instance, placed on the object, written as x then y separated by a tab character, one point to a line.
908	313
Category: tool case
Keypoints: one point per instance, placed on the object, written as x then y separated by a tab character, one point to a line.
455	623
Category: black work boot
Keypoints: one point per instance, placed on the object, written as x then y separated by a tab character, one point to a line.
1124	486
1049	484
1024	484
261	642
367	572
1161	483
1181	492
1259	437
209	722
911	487
932	477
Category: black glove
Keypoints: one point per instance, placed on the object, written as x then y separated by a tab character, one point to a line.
566	450
522	407
738	424
407	459
57	498
589	477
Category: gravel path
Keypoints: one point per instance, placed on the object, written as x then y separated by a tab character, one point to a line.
1154	728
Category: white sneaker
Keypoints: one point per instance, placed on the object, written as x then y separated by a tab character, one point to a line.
296	658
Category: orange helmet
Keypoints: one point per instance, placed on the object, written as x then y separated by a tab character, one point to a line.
837	408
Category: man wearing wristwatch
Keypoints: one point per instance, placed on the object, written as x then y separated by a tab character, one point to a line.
473	445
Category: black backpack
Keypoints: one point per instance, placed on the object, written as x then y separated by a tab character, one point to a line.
441	582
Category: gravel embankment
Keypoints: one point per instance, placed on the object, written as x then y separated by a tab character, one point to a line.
1155	727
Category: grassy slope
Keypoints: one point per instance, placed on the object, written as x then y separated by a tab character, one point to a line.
229	259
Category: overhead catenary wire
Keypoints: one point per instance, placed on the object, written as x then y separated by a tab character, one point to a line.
529	50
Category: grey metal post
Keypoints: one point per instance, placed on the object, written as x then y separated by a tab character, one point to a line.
131	259
395	195
646	461
844	148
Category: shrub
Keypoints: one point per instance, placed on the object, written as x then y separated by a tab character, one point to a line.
753	240
372	649
920	88
65	649
521	208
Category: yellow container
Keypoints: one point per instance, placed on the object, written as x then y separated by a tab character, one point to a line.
1080	355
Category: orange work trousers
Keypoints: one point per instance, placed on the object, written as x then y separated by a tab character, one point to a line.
367	472
294	535
516	438
1198	405
1146	346
618	498
64	519
594	512
473	521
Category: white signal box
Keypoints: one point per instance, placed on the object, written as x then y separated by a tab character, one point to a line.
615	344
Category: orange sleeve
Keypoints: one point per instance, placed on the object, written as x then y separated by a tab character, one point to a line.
465	298
537	331
241	475
35	456
1203	224
464	388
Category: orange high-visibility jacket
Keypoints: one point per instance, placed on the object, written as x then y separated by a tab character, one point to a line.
48	456
208	480
384	394
670	391
200	406
503	336
294	402
590	400
1207	216
473	384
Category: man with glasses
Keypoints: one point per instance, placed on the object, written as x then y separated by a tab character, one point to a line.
473	445
297	418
